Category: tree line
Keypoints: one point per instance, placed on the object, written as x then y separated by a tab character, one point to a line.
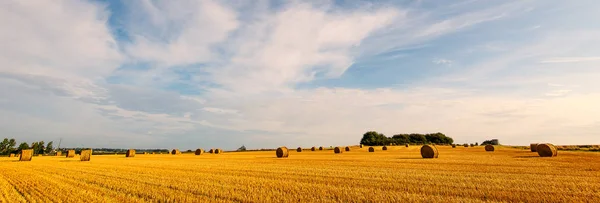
373	138
8	146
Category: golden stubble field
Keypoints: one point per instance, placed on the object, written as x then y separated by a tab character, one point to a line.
396	175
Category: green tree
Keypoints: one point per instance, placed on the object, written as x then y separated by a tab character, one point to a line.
23	146
4	146
49	147
374	138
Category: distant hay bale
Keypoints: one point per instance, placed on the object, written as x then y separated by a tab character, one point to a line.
489	148
321	148
299	149
472	145
26	155
211	151
282	152
533	147
313	149
199	151
466	145
361	146
175	152
11	155
338	150
546	150
130	153
70	154
86	155
58	153
429	152
406	145
145	153
218	151
384	148
347	148
371	149
453	146
153	153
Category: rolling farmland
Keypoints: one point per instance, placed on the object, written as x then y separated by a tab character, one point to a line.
396	175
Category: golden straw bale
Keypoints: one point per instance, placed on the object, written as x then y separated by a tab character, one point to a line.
546	150
337	150
86	155
313	149
130	153
199	151
321	148
299	149
70	153
533	147
282	152
11	155
429	152
347	148
175	152
26	155
489	148
371	149
384	148
218	151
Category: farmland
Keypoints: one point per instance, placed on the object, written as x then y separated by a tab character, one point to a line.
396	175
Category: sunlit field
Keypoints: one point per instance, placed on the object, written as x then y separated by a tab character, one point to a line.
396	175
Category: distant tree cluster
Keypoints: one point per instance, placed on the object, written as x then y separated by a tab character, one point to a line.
7	146
491	142
373	138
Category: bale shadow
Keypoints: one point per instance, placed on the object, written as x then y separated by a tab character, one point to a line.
527	157
411	158
69	160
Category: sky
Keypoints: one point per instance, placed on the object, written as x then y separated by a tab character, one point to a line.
222	74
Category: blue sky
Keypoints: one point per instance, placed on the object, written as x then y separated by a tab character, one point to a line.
189	74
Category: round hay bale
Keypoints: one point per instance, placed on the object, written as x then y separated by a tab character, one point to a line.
347	148
218	151
282	152
406	145
11	155
26	155
546	150
489	148
453	146
199	151
533	147
321	148
299	149
466	145
429	152
371	149
212	151
58	153
86	155
471	145
313	149
384	148
70	154
130	153
175	152
361	146
338	150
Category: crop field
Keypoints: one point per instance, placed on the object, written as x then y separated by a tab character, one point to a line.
396	175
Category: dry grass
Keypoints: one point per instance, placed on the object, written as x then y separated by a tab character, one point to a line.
26	155
130	153
86	155
396	175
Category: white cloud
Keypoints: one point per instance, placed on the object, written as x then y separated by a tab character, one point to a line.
442	61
